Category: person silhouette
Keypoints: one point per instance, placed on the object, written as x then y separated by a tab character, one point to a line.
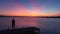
13	23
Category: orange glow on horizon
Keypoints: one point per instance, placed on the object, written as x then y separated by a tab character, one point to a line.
21	10
31	14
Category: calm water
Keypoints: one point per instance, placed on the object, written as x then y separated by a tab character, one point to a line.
45	24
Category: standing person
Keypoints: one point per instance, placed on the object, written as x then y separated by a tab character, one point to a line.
13	24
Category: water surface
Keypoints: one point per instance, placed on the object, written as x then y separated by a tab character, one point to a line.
45	24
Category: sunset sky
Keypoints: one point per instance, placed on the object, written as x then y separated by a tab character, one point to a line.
30	7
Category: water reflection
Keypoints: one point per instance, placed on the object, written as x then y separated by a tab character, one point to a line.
52	24
26	22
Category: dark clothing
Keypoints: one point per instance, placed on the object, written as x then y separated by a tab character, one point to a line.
13	24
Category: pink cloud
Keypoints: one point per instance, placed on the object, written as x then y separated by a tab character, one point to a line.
57	14
35	7
21	7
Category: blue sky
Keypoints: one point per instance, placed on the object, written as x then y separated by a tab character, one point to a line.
40	6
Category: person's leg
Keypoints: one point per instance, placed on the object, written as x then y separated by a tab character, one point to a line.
14	27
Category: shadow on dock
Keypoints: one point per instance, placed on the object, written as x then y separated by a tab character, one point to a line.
28	30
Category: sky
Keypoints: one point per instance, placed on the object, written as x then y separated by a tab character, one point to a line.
30	7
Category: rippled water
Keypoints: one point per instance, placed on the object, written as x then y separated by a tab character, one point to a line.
45	24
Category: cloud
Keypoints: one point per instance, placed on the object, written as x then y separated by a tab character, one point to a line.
57	14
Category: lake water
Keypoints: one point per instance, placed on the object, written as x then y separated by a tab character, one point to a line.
45	24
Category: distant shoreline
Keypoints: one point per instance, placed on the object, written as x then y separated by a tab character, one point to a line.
34	16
